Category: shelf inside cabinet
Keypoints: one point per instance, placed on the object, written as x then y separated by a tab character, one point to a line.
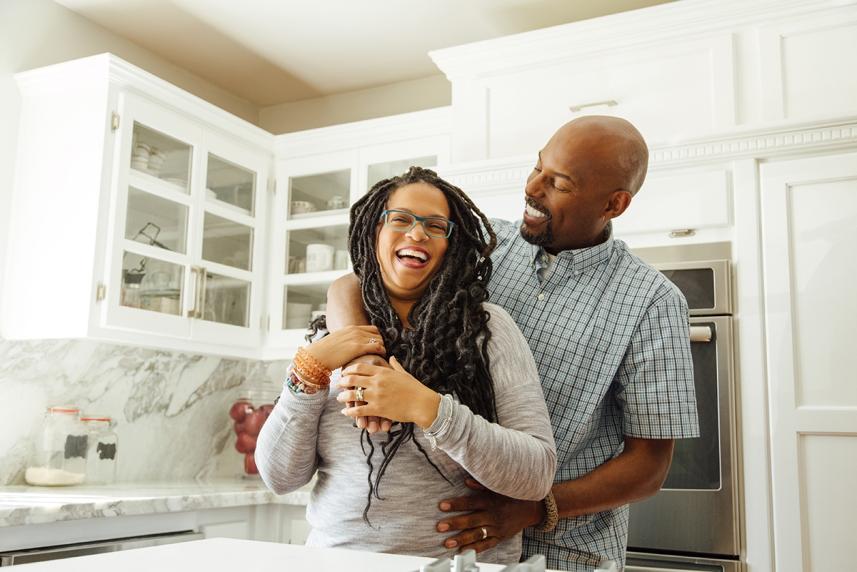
315	277
148	182
318	218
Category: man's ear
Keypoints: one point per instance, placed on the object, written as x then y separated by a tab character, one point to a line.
618	202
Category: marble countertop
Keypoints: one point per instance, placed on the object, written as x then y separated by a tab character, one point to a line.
223	554
21	505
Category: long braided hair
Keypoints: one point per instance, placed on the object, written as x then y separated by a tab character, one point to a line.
446	344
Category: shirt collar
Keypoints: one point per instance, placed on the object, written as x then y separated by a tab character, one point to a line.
578	260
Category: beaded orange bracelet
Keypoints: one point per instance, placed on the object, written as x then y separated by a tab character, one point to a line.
307	382
311	369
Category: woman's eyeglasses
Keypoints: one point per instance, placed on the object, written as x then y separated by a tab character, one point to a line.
403	221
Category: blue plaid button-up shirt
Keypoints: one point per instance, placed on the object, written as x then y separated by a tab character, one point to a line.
610	337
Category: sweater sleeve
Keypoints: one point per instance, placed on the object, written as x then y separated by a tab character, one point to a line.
287	444
517	456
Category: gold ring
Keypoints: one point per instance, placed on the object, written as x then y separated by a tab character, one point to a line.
484	533
358	394
373	340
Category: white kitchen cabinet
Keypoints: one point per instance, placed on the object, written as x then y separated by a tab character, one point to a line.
333	168
141	214
137	215
526	106
809	228
679	72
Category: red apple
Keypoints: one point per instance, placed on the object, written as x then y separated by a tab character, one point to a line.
267	408
250	464
240	409
245	443
253	423
239	428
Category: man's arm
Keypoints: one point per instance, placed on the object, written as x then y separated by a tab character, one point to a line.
345	308
345	304
635	474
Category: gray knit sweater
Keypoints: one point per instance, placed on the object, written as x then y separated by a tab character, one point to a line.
307	433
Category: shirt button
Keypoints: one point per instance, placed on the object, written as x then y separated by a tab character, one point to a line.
541	296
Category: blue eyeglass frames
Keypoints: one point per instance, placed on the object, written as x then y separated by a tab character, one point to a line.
403	221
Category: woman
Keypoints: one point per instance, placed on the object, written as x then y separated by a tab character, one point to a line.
462	386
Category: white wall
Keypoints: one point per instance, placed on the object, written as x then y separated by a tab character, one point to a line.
35	33
392	99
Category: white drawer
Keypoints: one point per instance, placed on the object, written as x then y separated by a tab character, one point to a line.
691	200
669	92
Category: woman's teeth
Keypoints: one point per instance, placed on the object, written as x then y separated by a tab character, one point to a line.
534	213
413	254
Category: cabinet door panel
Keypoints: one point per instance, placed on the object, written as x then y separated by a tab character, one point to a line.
807	66
809	211
149	252
229	249
668	95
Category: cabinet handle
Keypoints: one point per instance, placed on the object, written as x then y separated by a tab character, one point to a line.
682	232
196	310
582	106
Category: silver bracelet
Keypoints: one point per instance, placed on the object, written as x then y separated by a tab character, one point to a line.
445	413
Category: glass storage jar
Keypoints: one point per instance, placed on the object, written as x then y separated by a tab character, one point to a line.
101	451
249	413
60	454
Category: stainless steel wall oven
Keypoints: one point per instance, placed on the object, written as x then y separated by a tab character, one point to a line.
694	522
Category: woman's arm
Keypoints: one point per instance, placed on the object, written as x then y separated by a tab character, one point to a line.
286	446
516	457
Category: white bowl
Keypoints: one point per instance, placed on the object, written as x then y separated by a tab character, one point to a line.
300	207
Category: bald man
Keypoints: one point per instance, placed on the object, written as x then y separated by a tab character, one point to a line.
610	337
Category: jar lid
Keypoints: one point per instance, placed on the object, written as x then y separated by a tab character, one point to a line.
64	409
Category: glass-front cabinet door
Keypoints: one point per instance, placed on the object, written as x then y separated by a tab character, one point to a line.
185	256
310	244
310	247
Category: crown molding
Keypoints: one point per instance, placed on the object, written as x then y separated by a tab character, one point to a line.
509	174
688	19
762	142
416	124
106	70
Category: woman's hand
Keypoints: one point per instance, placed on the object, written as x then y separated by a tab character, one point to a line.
391	393
342	346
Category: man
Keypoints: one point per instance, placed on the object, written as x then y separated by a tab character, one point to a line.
610	337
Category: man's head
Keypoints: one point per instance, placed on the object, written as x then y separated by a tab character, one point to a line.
585	176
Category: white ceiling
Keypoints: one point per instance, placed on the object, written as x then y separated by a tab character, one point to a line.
275	51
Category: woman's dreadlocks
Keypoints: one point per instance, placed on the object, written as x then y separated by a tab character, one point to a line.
446	344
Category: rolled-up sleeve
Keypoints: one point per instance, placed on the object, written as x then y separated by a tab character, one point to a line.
655	389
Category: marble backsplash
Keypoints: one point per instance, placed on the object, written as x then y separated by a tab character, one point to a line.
170	409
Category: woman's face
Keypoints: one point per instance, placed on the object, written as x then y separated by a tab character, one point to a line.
409	260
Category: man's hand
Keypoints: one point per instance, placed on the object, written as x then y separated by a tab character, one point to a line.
501	517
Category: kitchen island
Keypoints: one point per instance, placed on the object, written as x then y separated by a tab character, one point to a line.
226	554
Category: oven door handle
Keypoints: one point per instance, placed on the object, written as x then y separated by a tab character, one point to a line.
700	334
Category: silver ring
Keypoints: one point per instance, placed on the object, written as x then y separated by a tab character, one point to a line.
373	341
358	394
484	533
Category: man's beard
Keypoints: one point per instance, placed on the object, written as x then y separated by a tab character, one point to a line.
543	238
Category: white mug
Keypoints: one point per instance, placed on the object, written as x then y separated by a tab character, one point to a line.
319	257
340	260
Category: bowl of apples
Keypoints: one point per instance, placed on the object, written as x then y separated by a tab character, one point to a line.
248	415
